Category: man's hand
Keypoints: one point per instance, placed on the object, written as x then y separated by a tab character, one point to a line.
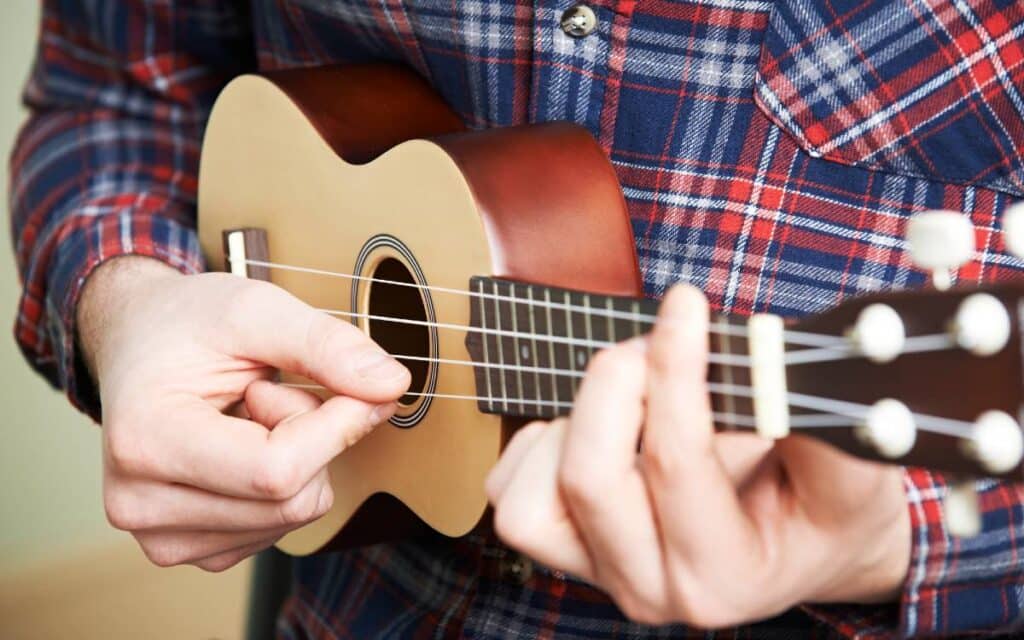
173	356
710	530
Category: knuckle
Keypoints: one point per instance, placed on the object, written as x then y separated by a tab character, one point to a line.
277	477
327	336
578	486
124	450
526	432
163	554
300	508
120	511
638	611
603	363
692	604
616	363
248	297
515	527
660	462
219	564
639	607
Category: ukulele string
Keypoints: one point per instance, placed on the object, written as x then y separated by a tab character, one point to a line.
913	344
802	338
832	413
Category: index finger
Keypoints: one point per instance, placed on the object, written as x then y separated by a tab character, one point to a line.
238	457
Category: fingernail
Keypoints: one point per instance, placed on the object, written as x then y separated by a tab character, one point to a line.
382	412
323	503
380	366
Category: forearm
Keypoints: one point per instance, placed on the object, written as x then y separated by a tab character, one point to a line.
107	164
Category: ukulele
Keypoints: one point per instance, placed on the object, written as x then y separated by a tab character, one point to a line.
493	264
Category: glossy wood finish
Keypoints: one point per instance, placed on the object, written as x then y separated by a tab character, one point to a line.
361	111
522	205
555	331
280	155
552	207
950	383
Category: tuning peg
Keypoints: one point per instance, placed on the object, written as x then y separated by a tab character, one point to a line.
963	518
1013	229
878	334
981	324
940	241
888	427
996	442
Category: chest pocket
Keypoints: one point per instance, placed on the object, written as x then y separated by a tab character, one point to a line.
932	89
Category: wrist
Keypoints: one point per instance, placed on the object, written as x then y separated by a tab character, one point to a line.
106	298
877	569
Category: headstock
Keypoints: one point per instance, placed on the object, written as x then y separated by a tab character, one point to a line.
931	378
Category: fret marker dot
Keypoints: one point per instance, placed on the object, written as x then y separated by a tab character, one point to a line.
581	358
525	351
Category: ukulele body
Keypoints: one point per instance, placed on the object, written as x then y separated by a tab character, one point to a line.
364	170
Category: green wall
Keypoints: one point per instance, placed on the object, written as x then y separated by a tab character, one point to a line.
50	501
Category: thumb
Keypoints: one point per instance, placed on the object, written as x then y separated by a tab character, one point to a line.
267	324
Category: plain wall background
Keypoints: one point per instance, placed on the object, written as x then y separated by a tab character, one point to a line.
64	572
50	497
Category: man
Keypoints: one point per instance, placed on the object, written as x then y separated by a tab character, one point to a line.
770	155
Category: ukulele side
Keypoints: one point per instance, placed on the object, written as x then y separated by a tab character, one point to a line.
318	160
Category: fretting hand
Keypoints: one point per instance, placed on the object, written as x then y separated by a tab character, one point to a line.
172	354
710	530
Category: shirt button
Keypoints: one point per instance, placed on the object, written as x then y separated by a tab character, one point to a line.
579	21
516	568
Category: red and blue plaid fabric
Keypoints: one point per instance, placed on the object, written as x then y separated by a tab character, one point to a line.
770	153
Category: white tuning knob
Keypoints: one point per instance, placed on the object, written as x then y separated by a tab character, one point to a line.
996	441
889	428
982	324
878	334
963	519
940	241
1013	229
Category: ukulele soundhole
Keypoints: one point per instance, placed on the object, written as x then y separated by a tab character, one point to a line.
398	314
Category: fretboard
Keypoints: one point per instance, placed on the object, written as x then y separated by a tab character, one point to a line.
532	343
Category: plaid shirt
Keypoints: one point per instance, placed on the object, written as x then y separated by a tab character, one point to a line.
770	153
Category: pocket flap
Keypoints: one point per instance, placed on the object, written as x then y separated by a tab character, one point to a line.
930	89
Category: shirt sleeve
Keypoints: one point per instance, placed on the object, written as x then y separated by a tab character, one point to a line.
106	164
957	585
954	585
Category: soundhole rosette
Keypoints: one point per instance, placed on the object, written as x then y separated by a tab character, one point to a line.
394	307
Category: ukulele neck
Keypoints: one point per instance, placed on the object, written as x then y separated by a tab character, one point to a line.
531	345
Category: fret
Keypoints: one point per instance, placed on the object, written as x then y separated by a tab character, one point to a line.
722	343
611	325
583	330
561	359
500	345
517	352
485	338
635	308
532	388
727	404
567	300
623	327
521	309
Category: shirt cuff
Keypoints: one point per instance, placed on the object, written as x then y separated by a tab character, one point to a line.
88	242
962	585
953	585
